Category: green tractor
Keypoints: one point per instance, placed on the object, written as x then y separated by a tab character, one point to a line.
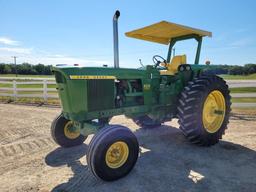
171	88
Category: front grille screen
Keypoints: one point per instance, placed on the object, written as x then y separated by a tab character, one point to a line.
100	94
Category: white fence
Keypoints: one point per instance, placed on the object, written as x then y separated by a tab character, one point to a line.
10	87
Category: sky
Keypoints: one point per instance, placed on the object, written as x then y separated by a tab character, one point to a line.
79	31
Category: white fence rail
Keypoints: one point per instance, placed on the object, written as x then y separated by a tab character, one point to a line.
11	87
241	83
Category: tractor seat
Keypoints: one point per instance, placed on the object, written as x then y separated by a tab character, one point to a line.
172	67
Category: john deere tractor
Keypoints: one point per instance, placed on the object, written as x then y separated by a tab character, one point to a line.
170	88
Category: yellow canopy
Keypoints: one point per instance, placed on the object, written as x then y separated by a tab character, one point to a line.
164	31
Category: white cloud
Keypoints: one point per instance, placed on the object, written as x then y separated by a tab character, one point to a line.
8	41
57	56
28	55
62	59
35	56
19	50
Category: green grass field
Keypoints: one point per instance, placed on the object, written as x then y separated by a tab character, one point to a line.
244	100
30	76
237	77
243	90
50	101
27	86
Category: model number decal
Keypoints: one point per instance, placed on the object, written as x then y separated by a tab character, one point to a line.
91	77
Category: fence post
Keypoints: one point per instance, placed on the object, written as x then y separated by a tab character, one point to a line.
45	90
15	90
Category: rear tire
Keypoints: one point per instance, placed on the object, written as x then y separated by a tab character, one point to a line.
146	122
204	109
112	153
61	134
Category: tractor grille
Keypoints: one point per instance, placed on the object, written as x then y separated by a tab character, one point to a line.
100	94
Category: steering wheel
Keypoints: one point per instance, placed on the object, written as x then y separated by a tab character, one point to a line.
157	61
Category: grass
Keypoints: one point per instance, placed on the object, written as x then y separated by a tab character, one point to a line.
244	100
243	90
29	100
242	77
27	86
30	76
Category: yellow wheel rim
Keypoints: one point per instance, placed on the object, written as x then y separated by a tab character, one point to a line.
117	154
69	133
213	111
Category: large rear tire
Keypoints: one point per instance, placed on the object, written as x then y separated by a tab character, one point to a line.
62	133
112	152
204	109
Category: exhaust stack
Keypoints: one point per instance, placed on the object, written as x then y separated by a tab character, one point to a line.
115	34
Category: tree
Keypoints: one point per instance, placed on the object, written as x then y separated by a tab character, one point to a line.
2	68
7	69
40	69
236	70
250	68
47	70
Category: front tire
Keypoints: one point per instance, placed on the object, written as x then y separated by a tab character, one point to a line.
62	134
204	109
112	153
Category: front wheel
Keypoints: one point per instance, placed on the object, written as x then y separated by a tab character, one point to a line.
112	153
64	133
204	109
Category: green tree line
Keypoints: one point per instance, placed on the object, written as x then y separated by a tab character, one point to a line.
25	69
40	69
246	69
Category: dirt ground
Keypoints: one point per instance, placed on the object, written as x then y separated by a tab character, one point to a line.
31	161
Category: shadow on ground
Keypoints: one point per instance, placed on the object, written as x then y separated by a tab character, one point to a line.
167	163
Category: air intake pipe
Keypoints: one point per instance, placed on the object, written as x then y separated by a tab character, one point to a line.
115	34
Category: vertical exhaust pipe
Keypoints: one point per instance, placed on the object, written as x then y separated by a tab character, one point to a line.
115	34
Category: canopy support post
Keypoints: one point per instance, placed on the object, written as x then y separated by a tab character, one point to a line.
199	40
172	43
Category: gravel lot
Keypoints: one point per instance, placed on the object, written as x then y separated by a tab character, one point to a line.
31	161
